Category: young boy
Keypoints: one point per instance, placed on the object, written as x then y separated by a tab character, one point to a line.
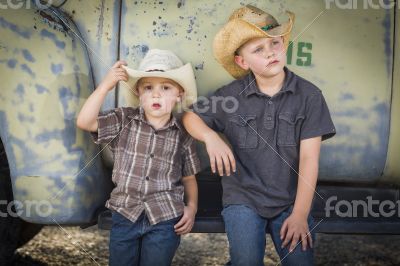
155	159
275	131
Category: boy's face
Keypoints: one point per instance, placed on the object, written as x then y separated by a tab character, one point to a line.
158	96
265	57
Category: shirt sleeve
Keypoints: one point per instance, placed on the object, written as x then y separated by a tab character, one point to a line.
318	121
109	125
190	159
211	110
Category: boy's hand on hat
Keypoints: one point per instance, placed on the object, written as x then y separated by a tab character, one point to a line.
115	74
186	223
220	154
295	229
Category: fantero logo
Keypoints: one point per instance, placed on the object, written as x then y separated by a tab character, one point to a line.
360	4
25	4
26	208
364	208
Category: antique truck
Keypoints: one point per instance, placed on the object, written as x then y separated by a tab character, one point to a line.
54	53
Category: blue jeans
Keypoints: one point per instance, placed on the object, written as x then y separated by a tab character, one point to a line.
140	243
246	232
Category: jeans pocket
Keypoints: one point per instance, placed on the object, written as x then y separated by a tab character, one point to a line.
118	219
243	131
287	129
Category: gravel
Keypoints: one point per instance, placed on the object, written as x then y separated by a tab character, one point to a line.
76	246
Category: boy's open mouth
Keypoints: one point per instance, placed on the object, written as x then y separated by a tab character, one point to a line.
156	106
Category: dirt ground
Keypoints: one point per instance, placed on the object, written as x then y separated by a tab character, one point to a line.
75	246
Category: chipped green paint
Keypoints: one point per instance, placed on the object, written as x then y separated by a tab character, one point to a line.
303	55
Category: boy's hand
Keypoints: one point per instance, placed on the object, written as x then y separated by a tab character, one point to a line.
220	155
295	229
115	74
185	224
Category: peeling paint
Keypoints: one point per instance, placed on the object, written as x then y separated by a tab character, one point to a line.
180	3
12	63
56	68
346	96
40	89
25	119
28	56
45	149
199	66
47	34
20	91
387	24
25	68
100	23
16	29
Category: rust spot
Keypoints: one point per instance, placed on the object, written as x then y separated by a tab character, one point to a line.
52	21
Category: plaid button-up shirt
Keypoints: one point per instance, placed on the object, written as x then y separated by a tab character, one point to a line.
148	164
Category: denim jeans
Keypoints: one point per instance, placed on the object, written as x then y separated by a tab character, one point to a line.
246	232
140	243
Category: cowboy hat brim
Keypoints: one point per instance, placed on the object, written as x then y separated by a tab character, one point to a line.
183	75
237	32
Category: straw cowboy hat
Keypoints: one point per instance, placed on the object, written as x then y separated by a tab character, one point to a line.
165	64
244	24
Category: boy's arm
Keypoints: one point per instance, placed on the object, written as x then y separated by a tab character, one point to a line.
186	223
87	117
218	151
295	228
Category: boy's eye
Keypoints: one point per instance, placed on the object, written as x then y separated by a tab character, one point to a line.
147	88
166	88
258	50
277	42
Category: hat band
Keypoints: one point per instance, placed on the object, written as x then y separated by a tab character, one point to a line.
270	26
155	70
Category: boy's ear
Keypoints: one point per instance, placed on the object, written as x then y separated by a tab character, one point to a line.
136	90
239	60
180	95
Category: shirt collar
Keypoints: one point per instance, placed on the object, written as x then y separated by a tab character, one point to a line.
289	85
171	123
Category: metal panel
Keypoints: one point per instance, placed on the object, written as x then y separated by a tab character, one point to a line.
392	169
46	76
98	23
346	53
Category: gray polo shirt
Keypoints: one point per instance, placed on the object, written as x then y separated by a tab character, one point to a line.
265	133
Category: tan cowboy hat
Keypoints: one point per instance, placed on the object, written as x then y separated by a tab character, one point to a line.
244	24
165	64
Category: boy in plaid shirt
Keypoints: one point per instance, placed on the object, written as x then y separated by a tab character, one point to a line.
155	159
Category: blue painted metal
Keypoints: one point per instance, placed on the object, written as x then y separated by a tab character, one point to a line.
46	76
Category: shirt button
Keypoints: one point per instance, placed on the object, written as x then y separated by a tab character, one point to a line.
155	132
147	178
151	155
270	102
269	118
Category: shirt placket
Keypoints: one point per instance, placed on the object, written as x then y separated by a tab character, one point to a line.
148	166
269	114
